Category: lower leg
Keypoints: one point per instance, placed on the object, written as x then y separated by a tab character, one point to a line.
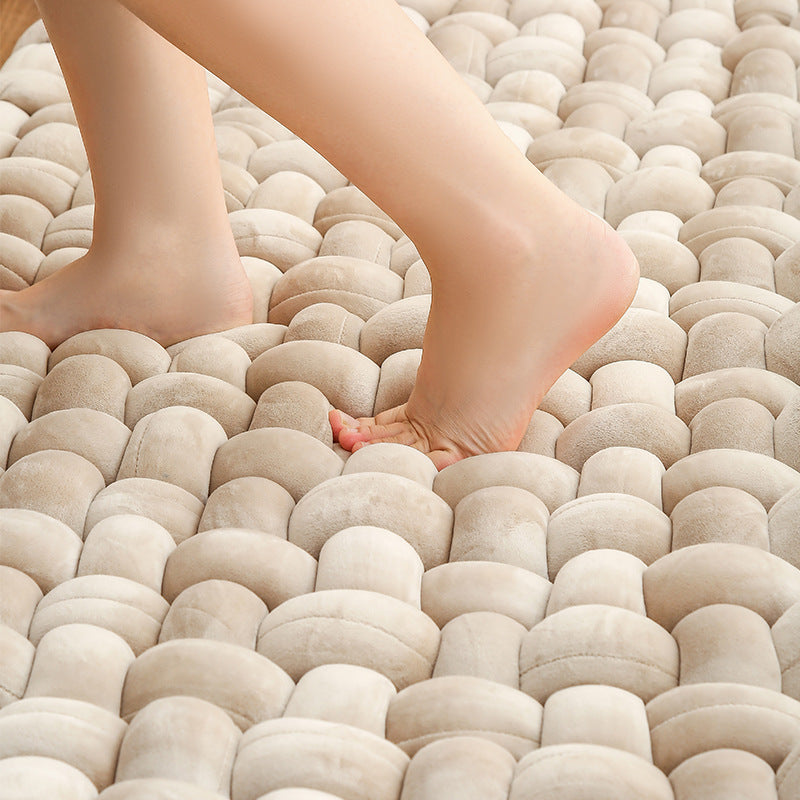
162	259
364	87
523	279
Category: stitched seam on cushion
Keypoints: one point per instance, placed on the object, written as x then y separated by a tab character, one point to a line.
548	161
161	500
226	768
139	447
758	303
725	705
354	216
180	502
122	603
471	53
562	784
228	709
255	238
792	665
341	331
26	378
561	756
344	619
324	735
333	289
735	227
791	766
461	732
61	714
549	756
598	655
4	688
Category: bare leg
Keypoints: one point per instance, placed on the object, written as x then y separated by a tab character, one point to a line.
163	260
523	279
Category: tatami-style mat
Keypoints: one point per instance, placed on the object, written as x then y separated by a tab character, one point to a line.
202	597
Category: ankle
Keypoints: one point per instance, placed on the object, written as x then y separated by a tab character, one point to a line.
137	237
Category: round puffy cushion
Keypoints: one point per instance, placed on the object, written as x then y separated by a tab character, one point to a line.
351	626
294	752
25	776
464	705
598	644
578	771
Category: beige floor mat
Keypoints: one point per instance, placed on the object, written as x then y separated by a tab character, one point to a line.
202	598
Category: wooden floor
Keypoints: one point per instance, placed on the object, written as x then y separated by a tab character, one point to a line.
15	17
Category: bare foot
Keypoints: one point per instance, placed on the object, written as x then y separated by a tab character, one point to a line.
518	312
169	293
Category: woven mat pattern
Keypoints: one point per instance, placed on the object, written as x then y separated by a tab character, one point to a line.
201	596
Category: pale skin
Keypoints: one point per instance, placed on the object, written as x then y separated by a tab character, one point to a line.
524	280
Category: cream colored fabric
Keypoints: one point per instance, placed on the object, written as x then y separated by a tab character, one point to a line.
201	596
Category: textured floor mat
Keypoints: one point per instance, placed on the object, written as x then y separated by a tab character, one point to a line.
201	596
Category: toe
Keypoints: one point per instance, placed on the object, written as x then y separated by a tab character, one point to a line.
370	432
340	421
444	458
391	426
396	433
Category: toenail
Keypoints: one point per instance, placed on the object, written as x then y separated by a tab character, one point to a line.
347	420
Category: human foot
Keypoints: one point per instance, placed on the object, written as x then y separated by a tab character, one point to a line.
495	344
169	293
